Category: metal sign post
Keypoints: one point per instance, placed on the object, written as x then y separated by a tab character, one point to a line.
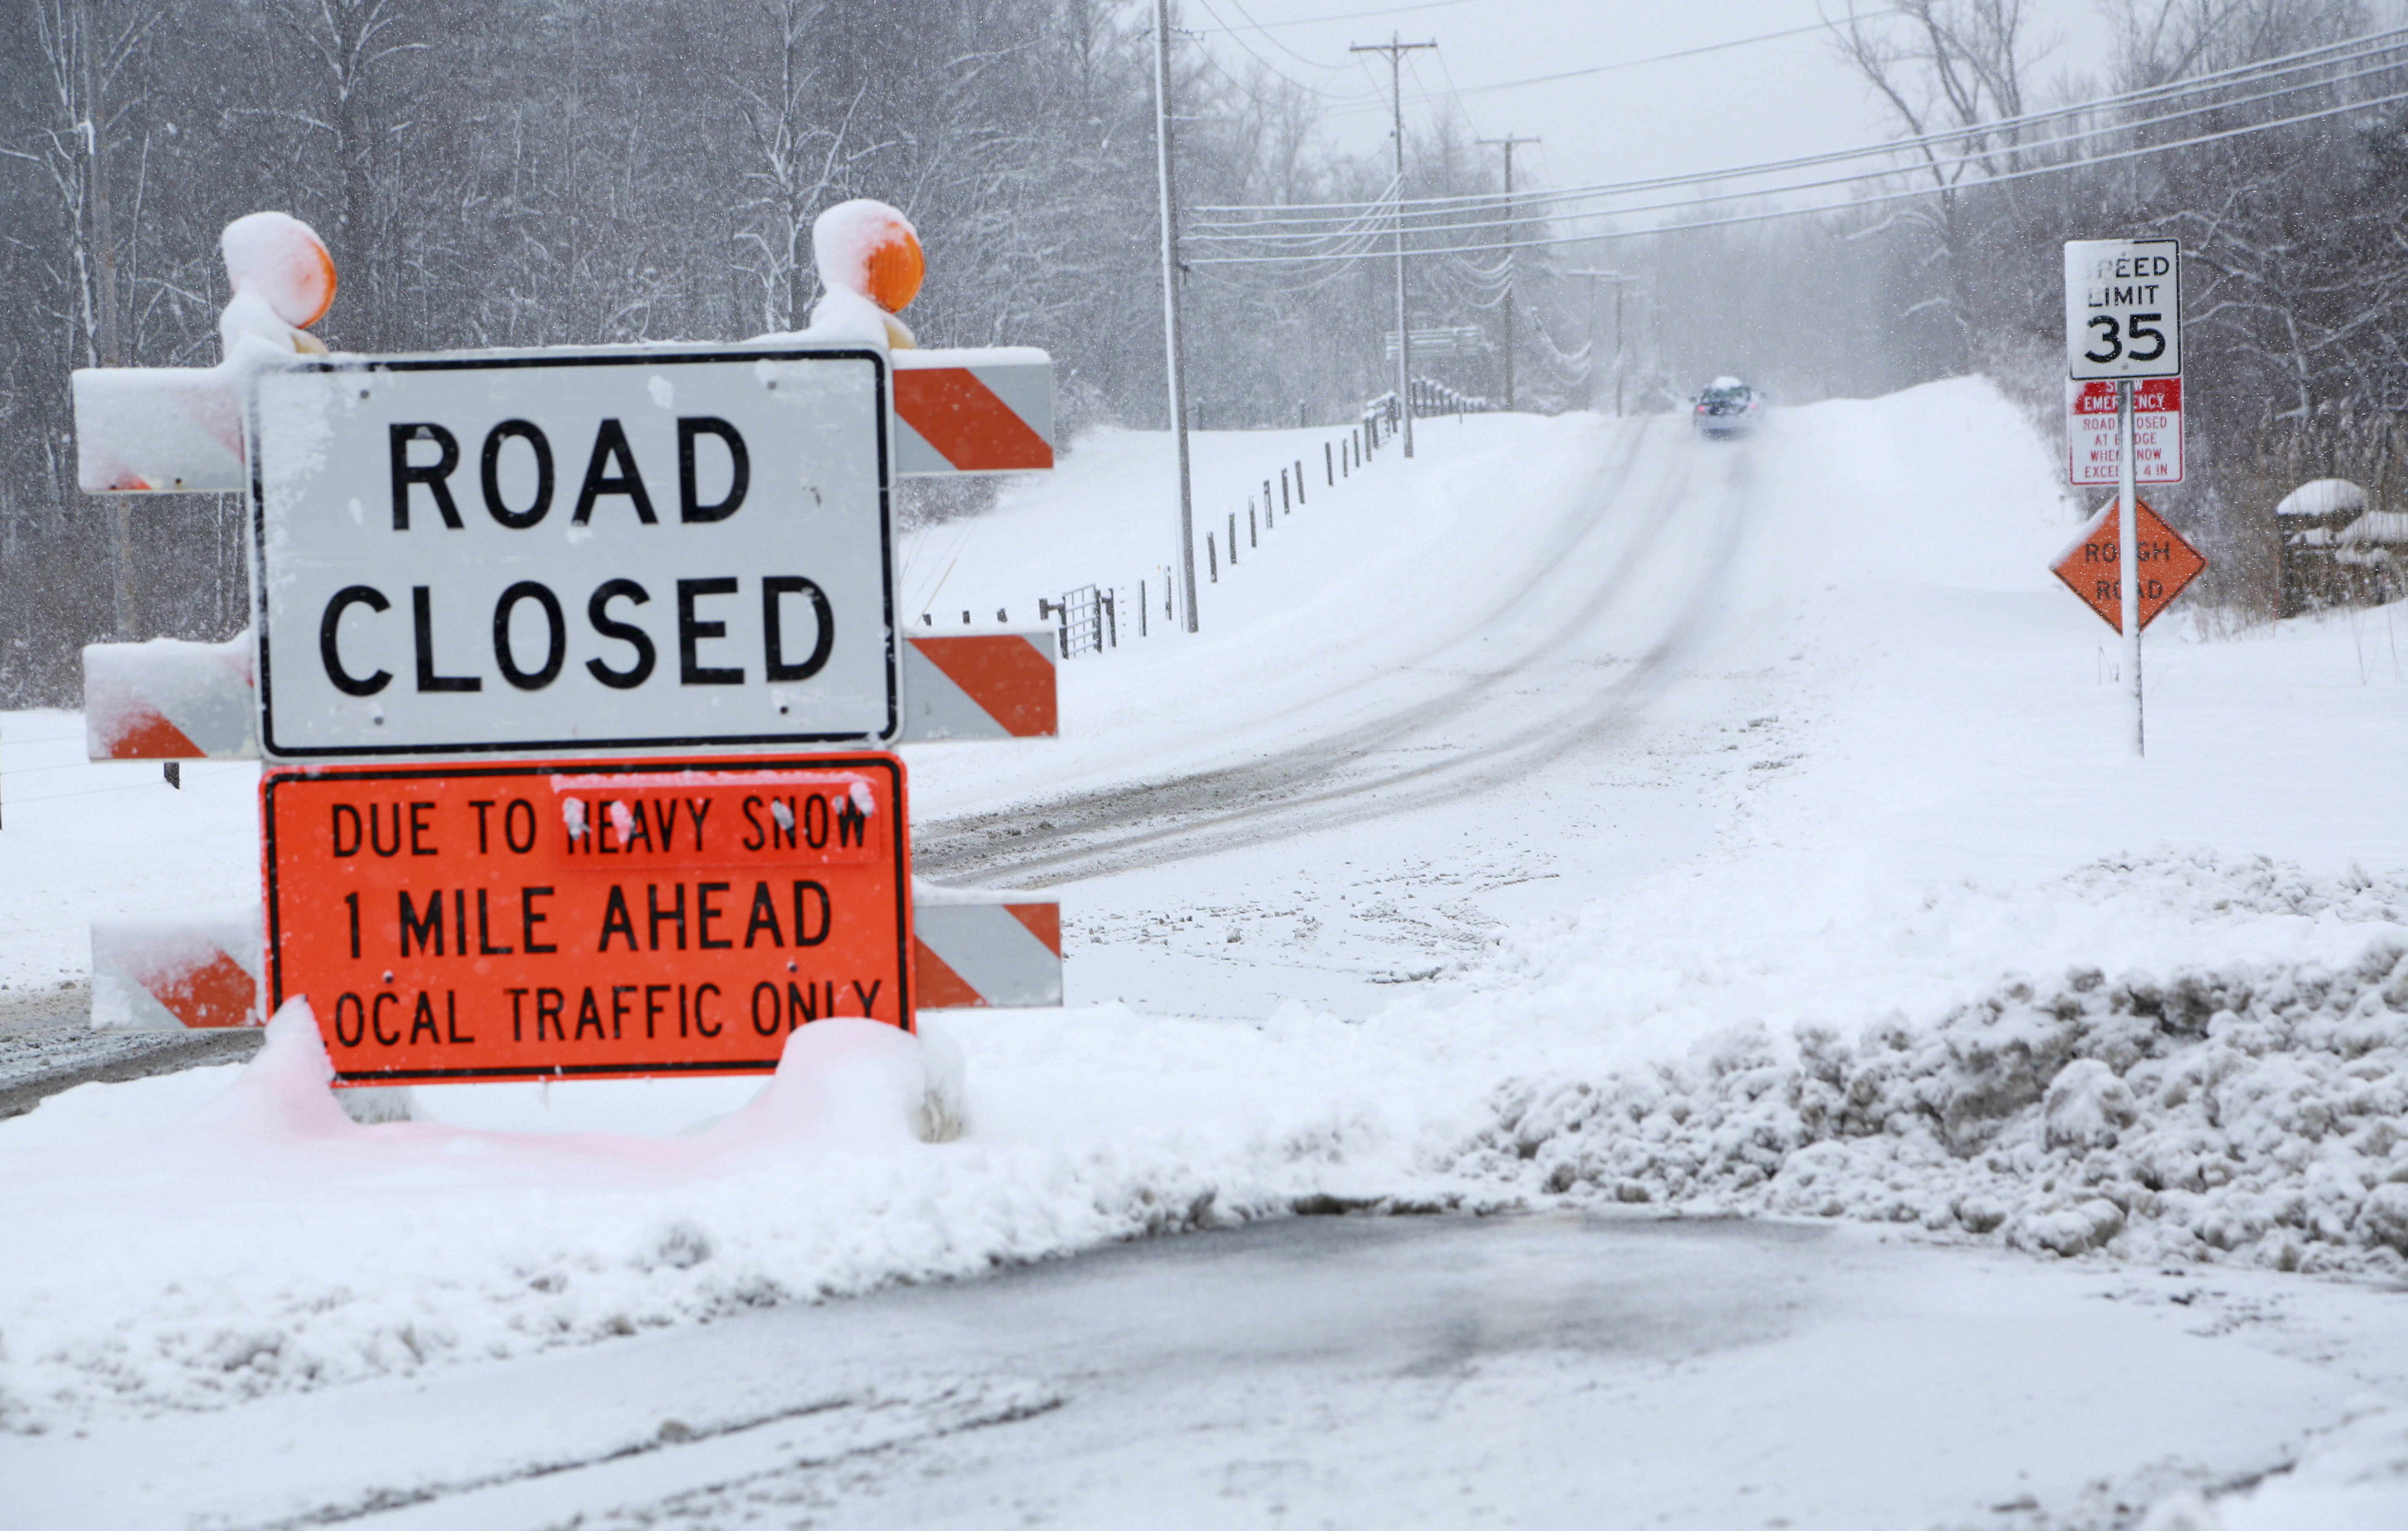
2128	556
2123	319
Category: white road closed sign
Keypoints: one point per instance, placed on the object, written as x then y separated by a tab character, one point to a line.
2122	309
620	550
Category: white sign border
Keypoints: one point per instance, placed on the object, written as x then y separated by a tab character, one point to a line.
2073	351
629	356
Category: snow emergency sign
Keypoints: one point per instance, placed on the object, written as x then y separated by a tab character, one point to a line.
2091	566
2122	309
588	919
2090	431
528	553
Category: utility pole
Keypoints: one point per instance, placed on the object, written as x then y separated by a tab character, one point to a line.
1507	143
1170	302
108	350
1621	284
1396	52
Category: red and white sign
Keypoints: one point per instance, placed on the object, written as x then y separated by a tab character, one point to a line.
586	919
973	412
2156	433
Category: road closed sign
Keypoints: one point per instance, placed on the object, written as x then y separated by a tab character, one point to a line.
551	553
596	919
2122	309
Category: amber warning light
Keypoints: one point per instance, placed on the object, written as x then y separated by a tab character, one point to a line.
595	920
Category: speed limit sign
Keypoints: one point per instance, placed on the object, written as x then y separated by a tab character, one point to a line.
2122	309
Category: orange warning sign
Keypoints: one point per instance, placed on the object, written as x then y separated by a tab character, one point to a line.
586	919
2091	568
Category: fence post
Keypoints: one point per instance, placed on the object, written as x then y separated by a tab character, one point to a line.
1211	560
1250	524
1233	532
1327	469
1111	618
1140	609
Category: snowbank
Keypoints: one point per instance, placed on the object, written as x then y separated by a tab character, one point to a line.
2352	1478
2251	1112
263	1240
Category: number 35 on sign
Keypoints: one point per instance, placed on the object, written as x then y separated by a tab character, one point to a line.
2122	309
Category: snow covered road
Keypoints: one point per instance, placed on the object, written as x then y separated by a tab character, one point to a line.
1580	598
1415	1372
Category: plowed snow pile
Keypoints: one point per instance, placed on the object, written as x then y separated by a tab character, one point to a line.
2253	1111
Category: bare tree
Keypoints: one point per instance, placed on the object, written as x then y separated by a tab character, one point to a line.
1951	73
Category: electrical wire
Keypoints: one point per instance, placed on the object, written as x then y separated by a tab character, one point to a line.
1653	58
1239	7
2371	43
1435	207
1874	200
1268	67
1361	15
1240	233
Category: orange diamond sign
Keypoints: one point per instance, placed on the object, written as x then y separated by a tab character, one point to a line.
2090	567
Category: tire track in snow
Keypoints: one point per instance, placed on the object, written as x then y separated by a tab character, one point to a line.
1332	781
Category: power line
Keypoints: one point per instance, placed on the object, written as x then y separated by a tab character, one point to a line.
1874	200
1239	7
1272	69
2348	50
1293	231
1359	15
1653	58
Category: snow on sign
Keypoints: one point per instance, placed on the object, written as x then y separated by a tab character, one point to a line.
603	918
2091	450
2166	564
555	552
2123	307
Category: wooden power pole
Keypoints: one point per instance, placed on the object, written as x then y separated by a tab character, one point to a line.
1396	52
1507	143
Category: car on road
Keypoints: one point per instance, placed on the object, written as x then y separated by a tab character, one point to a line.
1726	408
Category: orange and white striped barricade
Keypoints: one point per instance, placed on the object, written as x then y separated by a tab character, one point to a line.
158	430
979	686
170	974
169	699
983	411
172	700
178	430
984	948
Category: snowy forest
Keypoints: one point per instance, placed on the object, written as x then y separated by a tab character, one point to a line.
537	172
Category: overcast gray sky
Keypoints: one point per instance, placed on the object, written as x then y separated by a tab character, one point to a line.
1731	106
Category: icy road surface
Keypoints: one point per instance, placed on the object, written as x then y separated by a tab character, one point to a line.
1441	1372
